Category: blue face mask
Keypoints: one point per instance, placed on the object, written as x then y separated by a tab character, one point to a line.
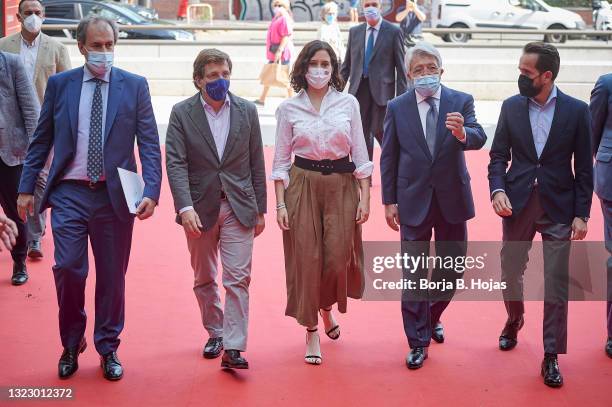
427	85
330	18
371	13
217	90
99	63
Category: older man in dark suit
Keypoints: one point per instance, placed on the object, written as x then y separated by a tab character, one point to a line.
426	186
215	163
601	116
374	67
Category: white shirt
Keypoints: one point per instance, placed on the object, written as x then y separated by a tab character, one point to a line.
376	31
28	55
77	169
330	134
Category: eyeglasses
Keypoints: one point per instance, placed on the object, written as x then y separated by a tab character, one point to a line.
422	70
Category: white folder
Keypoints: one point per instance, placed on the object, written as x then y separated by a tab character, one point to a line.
133	188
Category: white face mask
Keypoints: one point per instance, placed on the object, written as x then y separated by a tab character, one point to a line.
318	78
33	23
99	63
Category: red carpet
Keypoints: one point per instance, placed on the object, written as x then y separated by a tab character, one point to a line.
163	338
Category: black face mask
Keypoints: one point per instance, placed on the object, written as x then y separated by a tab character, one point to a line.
526	86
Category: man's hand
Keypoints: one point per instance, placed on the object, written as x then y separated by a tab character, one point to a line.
579	229
25	206
454	122
8	232
501	204
392	216
261	224
191	223
145	209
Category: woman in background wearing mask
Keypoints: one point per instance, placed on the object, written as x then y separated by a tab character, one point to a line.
324	197
329	31
279	45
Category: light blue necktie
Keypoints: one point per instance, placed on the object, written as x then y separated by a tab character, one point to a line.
368	52
431	122
94	150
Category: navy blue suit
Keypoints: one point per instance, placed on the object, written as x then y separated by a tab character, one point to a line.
431	192
601	124
545	196
78	212
564	195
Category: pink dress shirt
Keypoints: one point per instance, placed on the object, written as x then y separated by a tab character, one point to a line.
330	134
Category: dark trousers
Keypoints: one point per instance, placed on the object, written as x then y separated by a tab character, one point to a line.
79	213
9	184
518	234
372	116
422	309
606	207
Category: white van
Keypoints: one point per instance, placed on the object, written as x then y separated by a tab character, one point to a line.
519	14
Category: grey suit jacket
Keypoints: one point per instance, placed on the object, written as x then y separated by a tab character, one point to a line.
196	173
387	70
601	124
19	110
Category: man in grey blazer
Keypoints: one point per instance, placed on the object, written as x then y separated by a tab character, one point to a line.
601	124
19	110
42	57
215	165
374	67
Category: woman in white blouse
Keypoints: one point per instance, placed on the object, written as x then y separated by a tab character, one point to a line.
324	196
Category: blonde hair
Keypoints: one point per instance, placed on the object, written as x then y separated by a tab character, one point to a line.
284	3
329	8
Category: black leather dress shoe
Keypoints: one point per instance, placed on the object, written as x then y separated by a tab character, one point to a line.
437	332
69	361
20	273
232	360
35	250
609	348
111	366
416	357
213	348
509	336
551	372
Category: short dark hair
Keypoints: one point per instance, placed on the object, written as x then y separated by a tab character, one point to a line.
548	57
23	1
300	68
84	24
208	56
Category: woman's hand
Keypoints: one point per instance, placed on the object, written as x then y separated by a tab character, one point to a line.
282	218
363	211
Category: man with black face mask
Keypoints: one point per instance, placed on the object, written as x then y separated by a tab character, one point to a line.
541	131
219	191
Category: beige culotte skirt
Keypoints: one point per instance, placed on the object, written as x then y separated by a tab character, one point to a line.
323	248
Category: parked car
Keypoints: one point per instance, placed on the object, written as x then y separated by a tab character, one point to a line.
507	14
72	11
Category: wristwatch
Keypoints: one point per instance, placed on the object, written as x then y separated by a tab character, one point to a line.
585	219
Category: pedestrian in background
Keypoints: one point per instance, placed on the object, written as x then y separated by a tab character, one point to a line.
411	19
329	31
279	48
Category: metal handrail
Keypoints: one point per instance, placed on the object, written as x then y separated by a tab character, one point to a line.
344	27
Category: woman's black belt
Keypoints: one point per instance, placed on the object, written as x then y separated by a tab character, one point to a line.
326	167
